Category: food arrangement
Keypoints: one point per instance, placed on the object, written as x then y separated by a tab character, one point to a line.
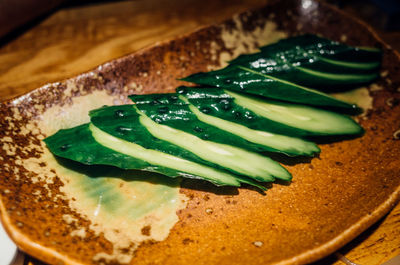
62	211
270	101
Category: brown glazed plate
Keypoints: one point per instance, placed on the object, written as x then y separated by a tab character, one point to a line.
331	199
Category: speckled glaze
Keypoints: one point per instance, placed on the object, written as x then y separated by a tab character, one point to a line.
330	201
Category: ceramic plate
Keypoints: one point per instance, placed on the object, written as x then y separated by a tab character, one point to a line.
61	213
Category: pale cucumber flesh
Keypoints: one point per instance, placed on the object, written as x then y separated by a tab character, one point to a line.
285	144
232	158
160	158
348	64
299	116
338	77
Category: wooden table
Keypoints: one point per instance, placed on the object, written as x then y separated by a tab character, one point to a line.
76	39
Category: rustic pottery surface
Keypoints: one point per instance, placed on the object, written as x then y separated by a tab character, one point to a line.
331	200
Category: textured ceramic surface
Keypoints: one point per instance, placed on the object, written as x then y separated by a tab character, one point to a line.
330	201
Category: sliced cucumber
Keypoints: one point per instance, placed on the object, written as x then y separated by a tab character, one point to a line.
161	99
300	116
311	76
315	62
244	79
182	115
226	105
178	116
162	159
306	45
280	143
128	123
89	145
350	64
292	69
204	133
237	160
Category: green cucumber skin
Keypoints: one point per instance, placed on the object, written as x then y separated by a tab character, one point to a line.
339	67
175	113
282	67
157	99
282	60
123	122
312	45
316	45
214	101
181	118
78	144
236	79
291	69
326	78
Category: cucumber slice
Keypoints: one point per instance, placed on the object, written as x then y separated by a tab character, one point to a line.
315	62
225	105
318	46
123	122
280	143
324	48
337	78
315	73
88	145
134	126
300	116
232	158
291	69
349	64
132	137
157	99
182	115
161	159
244	79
